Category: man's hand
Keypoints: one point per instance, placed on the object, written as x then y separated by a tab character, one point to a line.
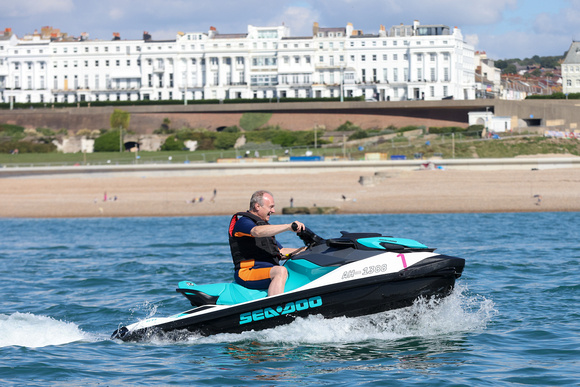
297	226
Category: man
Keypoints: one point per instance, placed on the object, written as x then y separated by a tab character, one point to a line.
255	251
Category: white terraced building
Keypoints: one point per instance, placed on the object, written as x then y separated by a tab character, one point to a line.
429	62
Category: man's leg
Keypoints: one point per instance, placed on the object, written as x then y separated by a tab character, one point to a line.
278	275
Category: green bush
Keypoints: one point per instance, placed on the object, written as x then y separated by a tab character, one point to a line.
359	134
347	127
408	128
225	140
205	140
285	138
13	132
253	121
555	96
26	147
446	129
172	144
108	142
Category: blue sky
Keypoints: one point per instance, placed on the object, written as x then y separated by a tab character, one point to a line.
502	28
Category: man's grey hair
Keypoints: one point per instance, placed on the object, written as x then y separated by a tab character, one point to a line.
258	198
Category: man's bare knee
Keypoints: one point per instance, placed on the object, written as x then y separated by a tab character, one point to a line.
279	271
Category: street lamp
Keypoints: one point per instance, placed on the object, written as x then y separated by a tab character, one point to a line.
185	88
341	83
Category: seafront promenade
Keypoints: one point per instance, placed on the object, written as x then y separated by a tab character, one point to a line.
399	186
251	166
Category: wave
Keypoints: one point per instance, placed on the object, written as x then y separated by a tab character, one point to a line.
29	330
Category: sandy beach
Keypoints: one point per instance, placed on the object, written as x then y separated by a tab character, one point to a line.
389	191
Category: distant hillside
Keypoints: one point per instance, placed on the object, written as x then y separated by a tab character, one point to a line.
511	66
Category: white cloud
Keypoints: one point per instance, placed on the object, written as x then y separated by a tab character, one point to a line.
473	40
116	13
299	19
565	22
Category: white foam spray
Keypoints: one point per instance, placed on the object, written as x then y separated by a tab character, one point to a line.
458	313
29	330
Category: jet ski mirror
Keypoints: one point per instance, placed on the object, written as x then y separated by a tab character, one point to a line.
308	237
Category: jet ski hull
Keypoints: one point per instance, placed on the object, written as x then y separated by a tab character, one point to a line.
432	277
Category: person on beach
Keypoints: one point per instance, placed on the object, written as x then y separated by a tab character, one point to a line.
255	251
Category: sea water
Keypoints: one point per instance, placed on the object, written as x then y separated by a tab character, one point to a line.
67	284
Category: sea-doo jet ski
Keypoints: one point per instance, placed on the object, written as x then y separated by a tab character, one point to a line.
353	275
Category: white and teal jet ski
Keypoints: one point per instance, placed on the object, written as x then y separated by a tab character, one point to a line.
353	275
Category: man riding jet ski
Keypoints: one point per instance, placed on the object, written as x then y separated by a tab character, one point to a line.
255	251
353	275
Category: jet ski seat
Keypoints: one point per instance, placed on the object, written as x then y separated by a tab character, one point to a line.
218	294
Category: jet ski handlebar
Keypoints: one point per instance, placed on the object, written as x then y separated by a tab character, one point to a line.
308	236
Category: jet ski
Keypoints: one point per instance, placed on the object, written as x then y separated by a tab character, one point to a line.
352	275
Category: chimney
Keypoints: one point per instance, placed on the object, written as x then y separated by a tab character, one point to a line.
116	36
349	29
146	36
382	31
315	29
212	32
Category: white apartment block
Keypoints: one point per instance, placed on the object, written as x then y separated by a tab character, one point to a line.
408	62
571	70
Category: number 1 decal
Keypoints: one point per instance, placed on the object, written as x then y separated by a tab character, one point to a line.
403	259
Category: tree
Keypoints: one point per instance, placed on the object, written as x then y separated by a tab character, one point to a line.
120	119
510	69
